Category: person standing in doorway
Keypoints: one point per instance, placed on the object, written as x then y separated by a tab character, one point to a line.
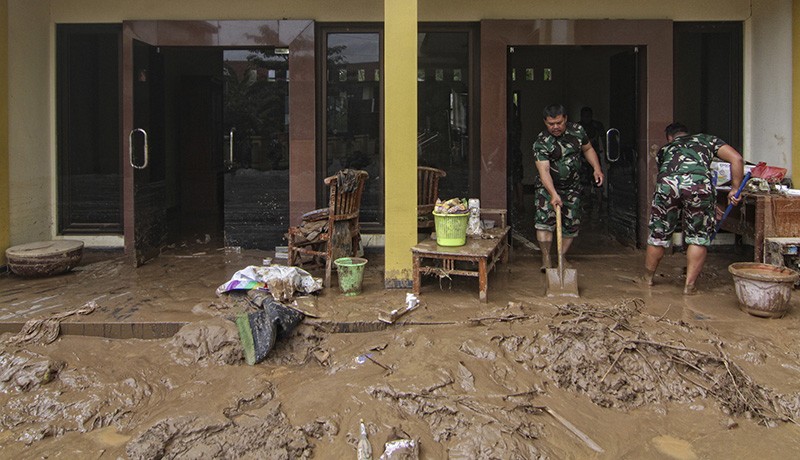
559	151
684	184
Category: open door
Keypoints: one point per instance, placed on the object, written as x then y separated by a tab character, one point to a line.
145	186
205	124
621	152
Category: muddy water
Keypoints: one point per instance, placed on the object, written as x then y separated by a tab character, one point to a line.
468	380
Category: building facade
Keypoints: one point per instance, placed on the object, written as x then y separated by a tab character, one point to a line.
138	124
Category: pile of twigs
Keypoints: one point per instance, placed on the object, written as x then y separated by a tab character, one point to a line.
600	352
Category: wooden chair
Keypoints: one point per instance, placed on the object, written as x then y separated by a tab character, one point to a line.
340	236
427	193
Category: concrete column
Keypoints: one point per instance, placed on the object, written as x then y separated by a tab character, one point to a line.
400	131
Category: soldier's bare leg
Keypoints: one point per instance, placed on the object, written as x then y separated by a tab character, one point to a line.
545	239
652	259
695	259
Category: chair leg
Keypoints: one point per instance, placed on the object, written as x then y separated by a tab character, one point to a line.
328	264
328	260
290	260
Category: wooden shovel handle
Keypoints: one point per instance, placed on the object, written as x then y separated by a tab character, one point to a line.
558	244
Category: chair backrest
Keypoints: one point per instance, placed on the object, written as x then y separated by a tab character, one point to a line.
345	199
427	188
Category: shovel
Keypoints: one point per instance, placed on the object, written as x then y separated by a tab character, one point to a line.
730	206
561	281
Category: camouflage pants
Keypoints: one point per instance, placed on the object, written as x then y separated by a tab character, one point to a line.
570	211
692	194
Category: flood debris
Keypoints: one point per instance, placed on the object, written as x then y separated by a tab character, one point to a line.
400	449
282	282
602	353
47	330
364	448
259	330
568	425
471	427
24	370
264	432
211	341
412	302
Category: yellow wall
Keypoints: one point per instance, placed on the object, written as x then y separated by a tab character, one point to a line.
4	216
31	126
400	68
679	10
372	10
796	93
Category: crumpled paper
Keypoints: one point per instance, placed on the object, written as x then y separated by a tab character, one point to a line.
281	281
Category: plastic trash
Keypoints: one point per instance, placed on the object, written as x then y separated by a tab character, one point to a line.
364	447
400	449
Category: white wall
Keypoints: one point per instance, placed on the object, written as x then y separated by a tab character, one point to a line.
767	83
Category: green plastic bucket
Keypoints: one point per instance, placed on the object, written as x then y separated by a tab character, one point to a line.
350	273
451	229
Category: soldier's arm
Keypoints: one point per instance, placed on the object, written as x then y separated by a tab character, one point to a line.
732	156
592	158
543	166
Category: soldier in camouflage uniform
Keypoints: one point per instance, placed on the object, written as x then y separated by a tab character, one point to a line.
559	152
684	184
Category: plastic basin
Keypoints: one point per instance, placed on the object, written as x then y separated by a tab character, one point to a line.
762	289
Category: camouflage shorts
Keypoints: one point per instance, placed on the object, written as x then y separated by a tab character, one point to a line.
570	211
688	194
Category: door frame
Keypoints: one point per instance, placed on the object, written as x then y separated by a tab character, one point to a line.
655	99
297	35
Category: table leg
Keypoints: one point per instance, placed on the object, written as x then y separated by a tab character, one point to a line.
417	276
483	281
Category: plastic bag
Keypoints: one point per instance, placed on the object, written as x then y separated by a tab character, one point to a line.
474	224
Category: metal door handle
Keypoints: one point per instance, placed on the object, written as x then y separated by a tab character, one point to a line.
146	149
612	145
230	147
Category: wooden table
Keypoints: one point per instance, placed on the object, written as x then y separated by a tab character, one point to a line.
763	215
484	252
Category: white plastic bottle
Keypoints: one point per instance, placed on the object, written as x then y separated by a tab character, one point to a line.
364	447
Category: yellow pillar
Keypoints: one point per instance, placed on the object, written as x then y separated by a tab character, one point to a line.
5	219
400	131
796	93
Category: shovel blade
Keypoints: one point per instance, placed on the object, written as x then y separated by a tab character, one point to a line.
562	282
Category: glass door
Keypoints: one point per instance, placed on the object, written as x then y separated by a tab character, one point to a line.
146	153
255	118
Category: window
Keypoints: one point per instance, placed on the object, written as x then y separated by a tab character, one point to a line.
352	121
444	105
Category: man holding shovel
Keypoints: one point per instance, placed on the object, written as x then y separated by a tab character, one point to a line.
684	183
559	152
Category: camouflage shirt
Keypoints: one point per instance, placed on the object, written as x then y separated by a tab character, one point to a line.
688	154
564	154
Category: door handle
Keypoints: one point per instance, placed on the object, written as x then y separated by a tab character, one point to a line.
612	145
230	145
146	149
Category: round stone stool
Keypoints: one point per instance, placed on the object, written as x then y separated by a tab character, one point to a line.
44	258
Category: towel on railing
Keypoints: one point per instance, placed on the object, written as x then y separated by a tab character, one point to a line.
347	180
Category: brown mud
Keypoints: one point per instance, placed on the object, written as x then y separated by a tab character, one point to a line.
626	371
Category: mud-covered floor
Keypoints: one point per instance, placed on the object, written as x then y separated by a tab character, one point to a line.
638	372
